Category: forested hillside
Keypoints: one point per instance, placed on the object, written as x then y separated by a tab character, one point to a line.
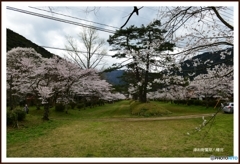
16	40
206	60
114	77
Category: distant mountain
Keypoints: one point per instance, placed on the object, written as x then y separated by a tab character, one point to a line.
114	77
15	40
206	60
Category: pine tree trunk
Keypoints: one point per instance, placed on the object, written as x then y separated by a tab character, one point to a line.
143	95
143	98
144	89
46	112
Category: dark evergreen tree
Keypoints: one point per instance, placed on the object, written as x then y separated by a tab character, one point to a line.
141	46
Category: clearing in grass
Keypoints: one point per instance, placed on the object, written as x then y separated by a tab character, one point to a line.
111	131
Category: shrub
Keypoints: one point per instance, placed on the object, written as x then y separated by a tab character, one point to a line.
59	107
199	102
72	105
147	109
80	105
38	107
21	115
131	101
195	102
15	115
133	104
11	117
180	101
211	103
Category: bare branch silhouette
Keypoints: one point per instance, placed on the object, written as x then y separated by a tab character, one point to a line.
135	10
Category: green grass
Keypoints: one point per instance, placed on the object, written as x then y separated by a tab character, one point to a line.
185	109
148	109
103	132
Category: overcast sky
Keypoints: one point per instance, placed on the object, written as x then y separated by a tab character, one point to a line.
107	16
51	33
47	32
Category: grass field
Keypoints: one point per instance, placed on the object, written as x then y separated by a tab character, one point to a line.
111	131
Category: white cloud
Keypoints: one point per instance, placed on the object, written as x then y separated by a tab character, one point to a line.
52	33
45	32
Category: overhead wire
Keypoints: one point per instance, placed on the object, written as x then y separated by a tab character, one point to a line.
230	17
73	17
65	21
208	17
226	11
151	8
60	19
129	13
72	50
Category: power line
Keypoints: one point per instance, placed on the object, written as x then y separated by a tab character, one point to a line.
216	19
113	8
63	49
73	17
60	20
227	11
151	8
227	16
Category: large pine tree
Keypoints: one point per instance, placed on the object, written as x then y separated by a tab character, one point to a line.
142	46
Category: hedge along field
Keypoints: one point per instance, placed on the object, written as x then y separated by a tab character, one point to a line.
111	131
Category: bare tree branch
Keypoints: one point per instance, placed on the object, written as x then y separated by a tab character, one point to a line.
93	47
221	19
196	28
135	10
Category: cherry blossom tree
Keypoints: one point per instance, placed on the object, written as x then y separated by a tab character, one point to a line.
91	89
50	79
173	87
27	74
197	29
21	62
62	79
217	82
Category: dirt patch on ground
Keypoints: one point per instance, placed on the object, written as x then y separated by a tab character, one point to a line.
151	119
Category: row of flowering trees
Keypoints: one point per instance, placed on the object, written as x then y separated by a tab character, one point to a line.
196	29
217	82
50	79
189	30
150	66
